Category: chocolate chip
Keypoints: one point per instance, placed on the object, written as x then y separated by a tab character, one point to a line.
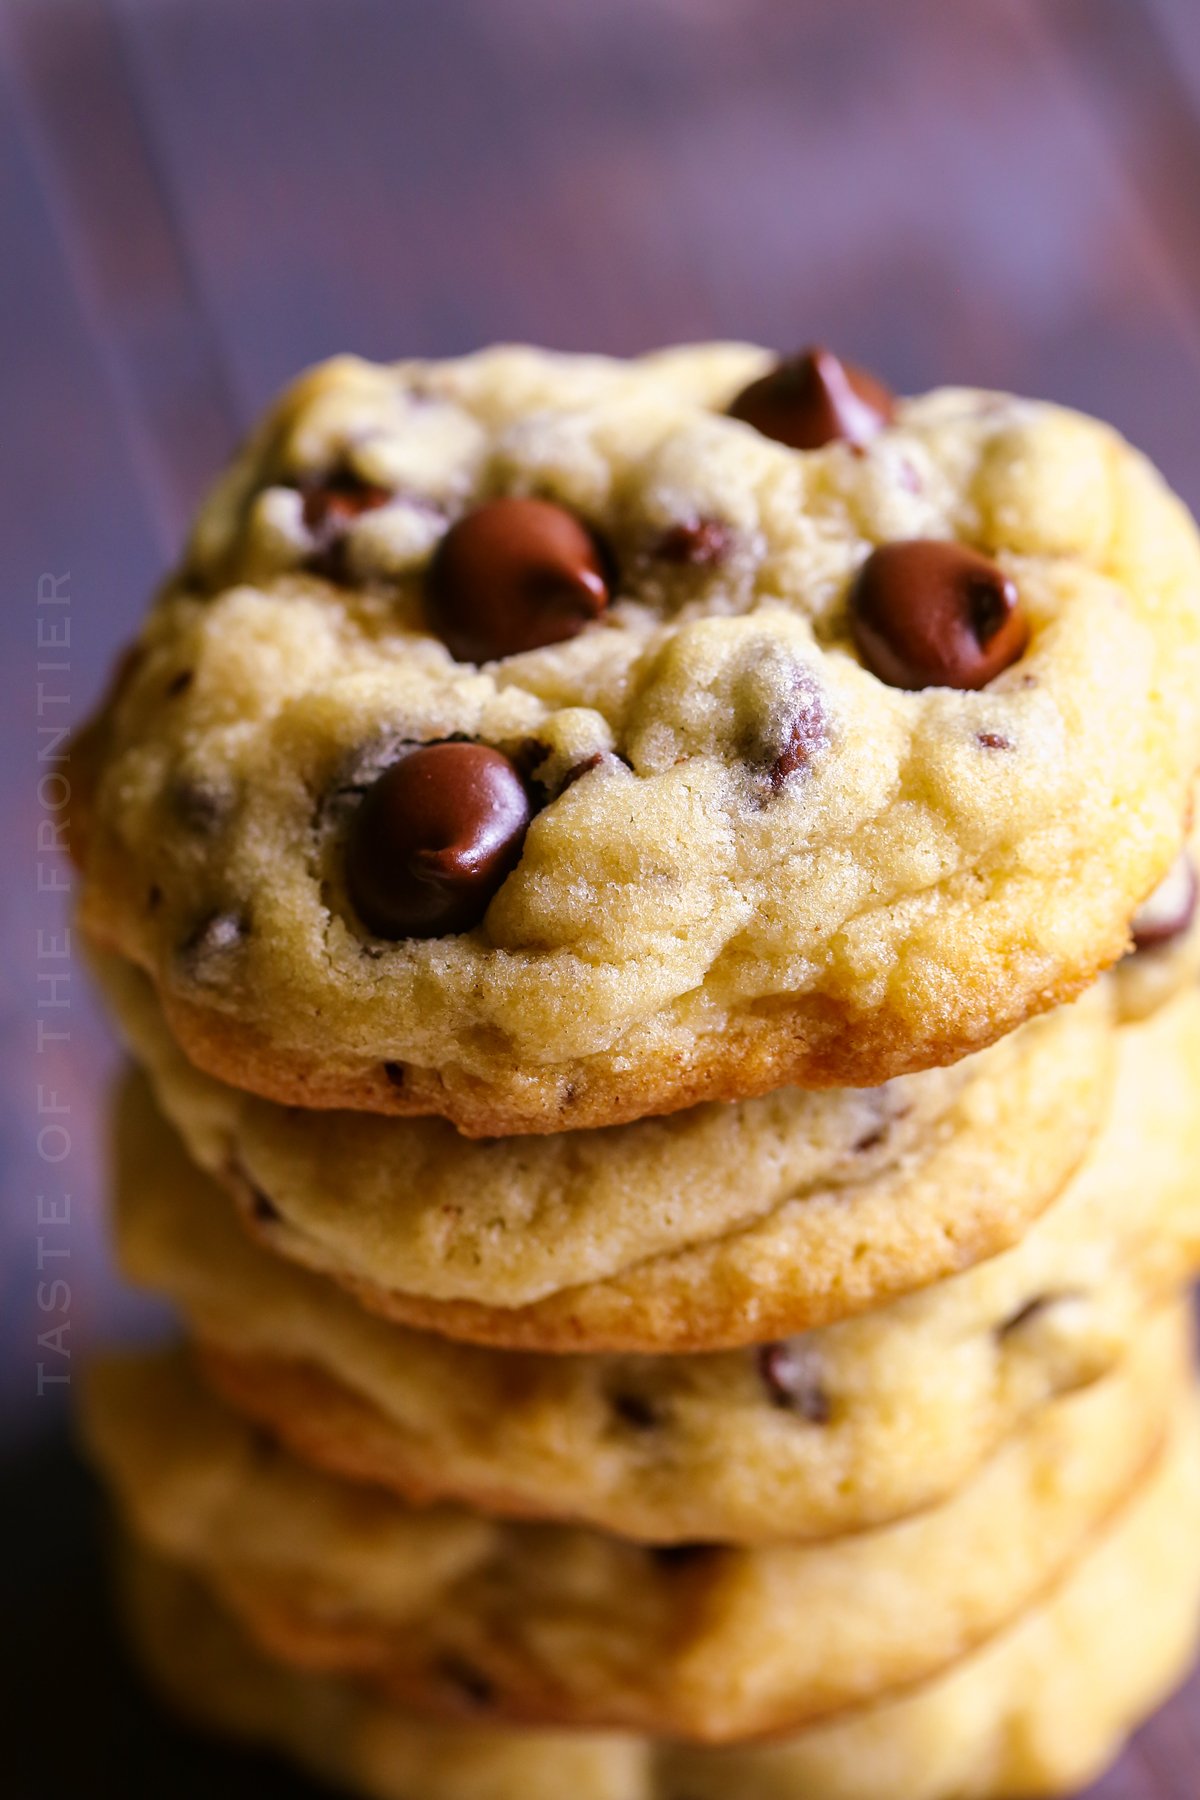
468	1681
333	504
197	805
993	740
871	1140
1033	1309
434	838
262	1208
396	1073
1171	908
682	1556
584	767
812	399
179	684
514	575
808	735
790	1371
926	613
636	1411
329	508
697	544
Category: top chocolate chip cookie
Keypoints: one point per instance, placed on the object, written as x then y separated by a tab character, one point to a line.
547	741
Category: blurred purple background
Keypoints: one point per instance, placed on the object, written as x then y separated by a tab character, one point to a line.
199	196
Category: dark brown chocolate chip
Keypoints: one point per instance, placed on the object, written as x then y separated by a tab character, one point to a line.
179	684
470	1683
262	1208
330	507
434	838
793	1380
636	1411
697	544
993	740
683	1556
926	613
1171	908
872	1139
812	399
396	1073
514	575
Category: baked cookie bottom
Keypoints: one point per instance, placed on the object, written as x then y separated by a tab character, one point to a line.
1039	1711
841	1429
452	1612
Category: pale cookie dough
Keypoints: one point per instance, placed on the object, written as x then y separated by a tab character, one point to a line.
721	1226
837	1430
1038	1711
455	1613
751	861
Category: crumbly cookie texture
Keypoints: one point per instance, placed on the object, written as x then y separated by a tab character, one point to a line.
750	860
459	1614
836	1430
720	1226
1039	1711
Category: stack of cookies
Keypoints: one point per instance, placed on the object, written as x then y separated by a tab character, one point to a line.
650	903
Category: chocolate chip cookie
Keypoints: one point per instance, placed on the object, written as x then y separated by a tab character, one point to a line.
544	741
836	1430
719	1226
1041	1709
465	1616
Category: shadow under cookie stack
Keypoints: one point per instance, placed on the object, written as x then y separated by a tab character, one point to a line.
662	1101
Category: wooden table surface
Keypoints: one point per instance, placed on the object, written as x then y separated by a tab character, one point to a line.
199	196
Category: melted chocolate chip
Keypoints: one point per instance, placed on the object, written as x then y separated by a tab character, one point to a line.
812	399
698	544
793	1380
1171	908
396	1073
926	613
514	575
434	838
